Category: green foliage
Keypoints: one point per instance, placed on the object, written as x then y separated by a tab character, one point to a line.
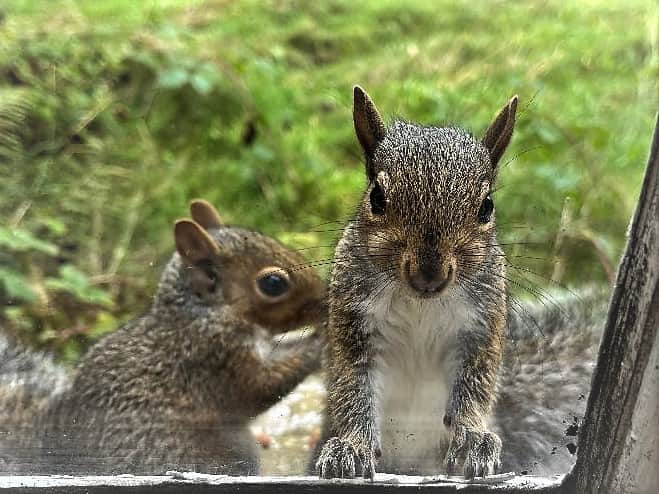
72	281
26	292
21	240
16	285
113	115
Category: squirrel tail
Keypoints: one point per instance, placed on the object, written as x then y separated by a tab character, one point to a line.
544	383
29	380
554	313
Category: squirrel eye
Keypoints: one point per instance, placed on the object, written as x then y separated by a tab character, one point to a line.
272	283
378	201
485	211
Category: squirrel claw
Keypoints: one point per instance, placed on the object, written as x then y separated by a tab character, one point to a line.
341	459
481	452
455	449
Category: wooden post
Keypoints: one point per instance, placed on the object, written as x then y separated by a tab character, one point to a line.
619	439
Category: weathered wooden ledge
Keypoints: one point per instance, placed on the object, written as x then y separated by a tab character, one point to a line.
194	482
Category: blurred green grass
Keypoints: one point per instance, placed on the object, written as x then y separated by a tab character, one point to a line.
113	115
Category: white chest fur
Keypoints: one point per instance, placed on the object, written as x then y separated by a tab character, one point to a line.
416	348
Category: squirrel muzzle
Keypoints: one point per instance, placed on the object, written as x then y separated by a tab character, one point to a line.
428	273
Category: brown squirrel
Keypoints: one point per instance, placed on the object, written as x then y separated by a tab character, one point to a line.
417	304
177	387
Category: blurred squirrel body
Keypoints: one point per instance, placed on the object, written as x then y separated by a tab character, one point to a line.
417	304
549	358
29	381
178	387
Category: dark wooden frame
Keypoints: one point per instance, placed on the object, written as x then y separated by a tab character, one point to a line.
619	438
613	445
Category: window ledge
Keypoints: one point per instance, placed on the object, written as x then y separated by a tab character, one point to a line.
193	482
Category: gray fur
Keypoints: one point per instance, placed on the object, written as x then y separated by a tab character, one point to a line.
28	382
434	180
550	355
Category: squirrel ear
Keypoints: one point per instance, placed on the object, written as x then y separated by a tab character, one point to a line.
369	127
193	242
500	131
205	214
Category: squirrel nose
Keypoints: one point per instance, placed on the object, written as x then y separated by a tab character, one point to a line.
429	277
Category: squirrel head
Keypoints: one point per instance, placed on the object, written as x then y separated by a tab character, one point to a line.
263	281
427	217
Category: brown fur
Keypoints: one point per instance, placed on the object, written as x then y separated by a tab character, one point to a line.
178	387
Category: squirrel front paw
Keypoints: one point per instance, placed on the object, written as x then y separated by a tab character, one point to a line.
481	451
340	458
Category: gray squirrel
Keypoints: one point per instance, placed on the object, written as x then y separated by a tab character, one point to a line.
177	387
549	358
28	381
417	304
429	365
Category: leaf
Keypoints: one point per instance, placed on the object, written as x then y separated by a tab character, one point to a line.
173	78
105	323
19	317
21	240
71	351
72	275
263	153
169	31
567	180
205	78
548	134
16	285
55	226
14	108
201	84
75	282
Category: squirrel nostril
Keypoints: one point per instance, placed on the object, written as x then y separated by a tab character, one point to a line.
429	276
